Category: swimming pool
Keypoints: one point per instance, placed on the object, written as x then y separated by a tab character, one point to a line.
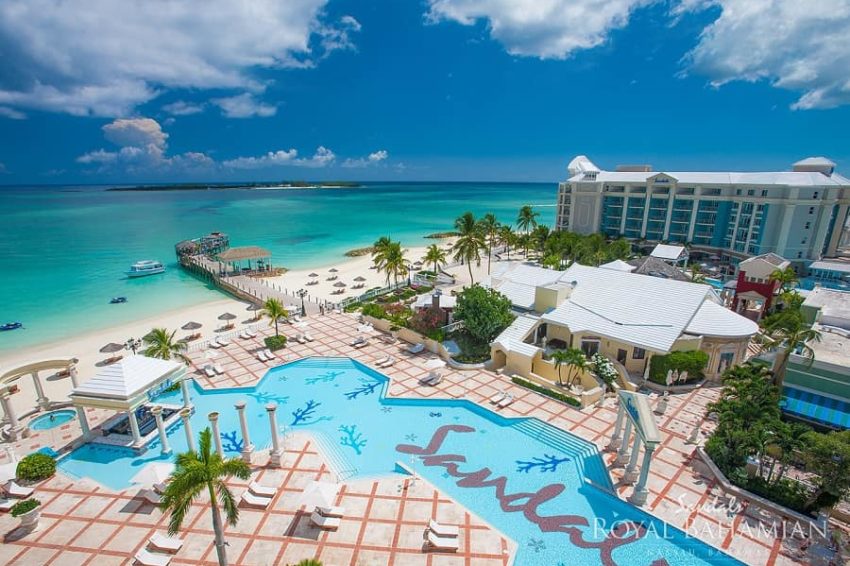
536	483
52	419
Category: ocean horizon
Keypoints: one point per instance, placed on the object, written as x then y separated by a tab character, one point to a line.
64	248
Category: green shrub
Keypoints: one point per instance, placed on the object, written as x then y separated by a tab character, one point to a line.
275	342
24	506
693	362
374	310
309	562
547	392
36	467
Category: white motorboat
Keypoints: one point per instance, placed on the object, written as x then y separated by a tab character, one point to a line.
146	267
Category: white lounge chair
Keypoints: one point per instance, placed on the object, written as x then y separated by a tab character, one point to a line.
255	500
250	333
218	369
160	487
7	504
506	401
222	341
498	397
362	344
164	542
242	335
269	354
388	363
322	522
262	490
147	558
356	341
214	344
307	337
382	361
261	355
208	369
432	378
150	496
444	531
12	489
416	348
335	511
442	543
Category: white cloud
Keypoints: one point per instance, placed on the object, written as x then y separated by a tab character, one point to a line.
271	159
339	37
11	113
379	155
183	108
244	106
104	57
98	156
373	158
549	29
322	158
797	46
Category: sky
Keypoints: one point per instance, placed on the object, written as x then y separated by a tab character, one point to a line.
120	91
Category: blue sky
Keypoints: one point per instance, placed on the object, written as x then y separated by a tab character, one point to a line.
98	91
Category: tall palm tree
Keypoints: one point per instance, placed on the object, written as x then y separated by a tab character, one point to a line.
697	276
527	220
273	309
159	343
470	241
395	264
436	256
787	278
380	250
540	236
199	471
787	333
574	359
490	228
506	237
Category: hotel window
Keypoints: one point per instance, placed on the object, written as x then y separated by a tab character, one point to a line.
764	192
811	210
738	192
808	225
815	195
799	255
750	193
638	353
804	240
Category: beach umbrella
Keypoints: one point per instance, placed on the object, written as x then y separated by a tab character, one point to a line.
434	363
111	348
333	270
191	326
227	316
319	494
313	275
360	279
339	284
153	473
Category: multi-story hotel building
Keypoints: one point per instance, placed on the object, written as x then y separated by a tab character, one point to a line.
798	214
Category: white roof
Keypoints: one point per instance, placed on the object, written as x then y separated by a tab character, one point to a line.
840	266
666	251
127	378
517	282
446	301
618	265
511	338
817	161
715	320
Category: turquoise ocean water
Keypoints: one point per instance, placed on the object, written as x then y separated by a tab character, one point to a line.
64	249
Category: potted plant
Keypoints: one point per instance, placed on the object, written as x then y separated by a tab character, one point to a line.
28	511
394	331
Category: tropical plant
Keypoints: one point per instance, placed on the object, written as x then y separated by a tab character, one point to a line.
786	332
574	359
196	472
539	237
274	309
697	275
24	506
490	227
787	278
506	237
691	361
274	342
35	467
828	456
436	256
470	241
527	220
484	312
309	562
159	343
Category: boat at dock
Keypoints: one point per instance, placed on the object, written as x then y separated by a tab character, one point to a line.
145	267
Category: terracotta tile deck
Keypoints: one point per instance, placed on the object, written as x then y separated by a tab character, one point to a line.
86	524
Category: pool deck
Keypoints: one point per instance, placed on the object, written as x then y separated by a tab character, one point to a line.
84	523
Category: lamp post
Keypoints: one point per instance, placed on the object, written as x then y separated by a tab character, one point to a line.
133	344
302	293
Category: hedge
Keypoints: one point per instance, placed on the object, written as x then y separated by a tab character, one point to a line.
275	342
693	362
547	392
36	467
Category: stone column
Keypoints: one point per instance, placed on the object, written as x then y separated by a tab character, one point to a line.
618	429
160	428
631	470
274	457
639	495
73	374
185	413
623	452
247	447
43	401
184	388
84	422
16	431
134	428
216	434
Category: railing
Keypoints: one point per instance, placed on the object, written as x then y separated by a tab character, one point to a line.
372	293
449	328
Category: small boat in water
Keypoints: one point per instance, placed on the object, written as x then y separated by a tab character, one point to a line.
118	300
146	267
11	326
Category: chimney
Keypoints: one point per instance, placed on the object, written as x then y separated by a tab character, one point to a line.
435	299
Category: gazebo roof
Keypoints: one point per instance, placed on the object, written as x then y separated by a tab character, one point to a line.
246	252
124	381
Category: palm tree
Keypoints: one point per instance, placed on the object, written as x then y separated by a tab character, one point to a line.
539	236
273	309
573	358
506	237
436	256
490	228
380	250
394	262
159	343
195	472
697	276
561	358
787	333
787	278
527	220
470	241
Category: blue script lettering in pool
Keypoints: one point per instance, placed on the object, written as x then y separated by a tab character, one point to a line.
545	488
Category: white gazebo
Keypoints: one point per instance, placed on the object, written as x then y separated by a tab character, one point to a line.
634	410
127	385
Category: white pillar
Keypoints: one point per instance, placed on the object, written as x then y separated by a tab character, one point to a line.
618	429
631	470
72	373
16	431
43	401
84	422
639	495
184	388
187	427
160	428
623	453
216	434
247	447
274	457
134	428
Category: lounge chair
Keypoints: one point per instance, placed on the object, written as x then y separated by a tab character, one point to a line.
442	543
262	490
250	333
148	558
382	361
356	341
335	511
150	496
12	489
307	337
269	354
300	339
322	522
261	355
432	378
242	335
389	339
160	487
218	369
214	343
498	397
389	363
255	500
208	369
416	348
506	401
222	341
7	504
443	531
362	344
164	542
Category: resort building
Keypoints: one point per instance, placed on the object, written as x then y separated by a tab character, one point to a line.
798	214
626	317
754	289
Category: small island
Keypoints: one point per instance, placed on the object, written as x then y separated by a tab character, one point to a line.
273	185
442	235
359	252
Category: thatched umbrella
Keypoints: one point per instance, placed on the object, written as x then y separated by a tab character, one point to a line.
312	275
255	309
191	325
333	270
339	284
111	348
227	316
360	279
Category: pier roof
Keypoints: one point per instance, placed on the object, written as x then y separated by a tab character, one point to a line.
246	252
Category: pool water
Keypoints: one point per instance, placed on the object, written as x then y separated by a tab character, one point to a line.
52	419
546	489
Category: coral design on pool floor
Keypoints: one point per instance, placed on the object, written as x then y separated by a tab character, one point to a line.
231	443
266	397
306	415
324	378
352	438
547	463
367	387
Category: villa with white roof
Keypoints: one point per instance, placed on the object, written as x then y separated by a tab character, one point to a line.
626	317
798	214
